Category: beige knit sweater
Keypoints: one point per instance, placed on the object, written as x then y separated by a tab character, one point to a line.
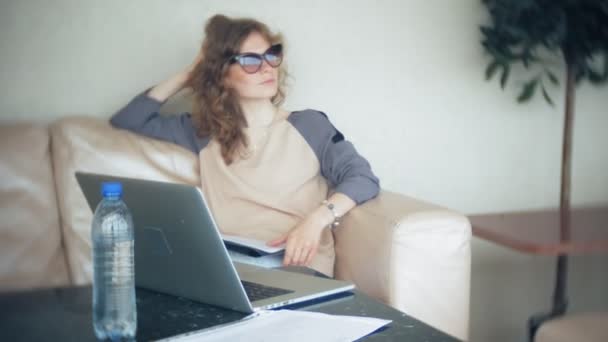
267	192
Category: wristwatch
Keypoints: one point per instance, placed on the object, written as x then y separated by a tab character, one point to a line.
332	208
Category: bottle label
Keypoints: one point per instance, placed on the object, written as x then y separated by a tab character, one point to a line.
122	264
113	223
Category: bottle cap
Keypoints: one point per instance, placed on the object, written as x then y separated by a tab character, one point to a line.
111	189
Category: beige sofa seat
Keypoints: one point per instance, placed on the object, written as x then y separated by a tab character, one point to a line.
579	327
30	239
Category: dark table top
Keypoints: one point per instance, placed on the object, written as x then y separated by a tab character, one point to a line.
64	314
538	231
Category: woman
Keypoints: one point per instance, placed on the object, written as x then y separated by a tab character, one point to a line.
266	172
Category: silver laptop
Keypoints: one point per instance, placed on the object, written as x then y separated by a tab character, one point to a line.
179	251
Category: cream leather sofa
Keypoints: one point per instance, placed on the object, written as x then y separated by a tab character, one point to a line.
412	255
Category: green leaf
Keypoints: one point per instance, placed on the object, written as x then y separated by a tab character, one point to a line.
547	97
595	77
580	75
527	91
552	77
506	69
491	70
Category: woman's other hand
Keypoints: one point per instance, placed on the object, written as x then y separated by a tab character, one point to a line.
301	242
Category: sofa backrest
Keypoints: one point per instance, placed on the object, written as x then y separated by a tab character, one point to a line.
31	253
92	145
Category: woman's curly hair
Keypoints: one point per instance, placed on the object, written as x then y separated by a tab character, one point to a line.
216	111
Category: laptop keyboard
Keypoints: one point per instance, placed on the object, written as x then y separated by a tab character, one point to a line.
257	291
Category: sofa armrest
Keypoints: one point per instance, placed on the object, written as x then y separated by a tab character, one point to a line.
412	255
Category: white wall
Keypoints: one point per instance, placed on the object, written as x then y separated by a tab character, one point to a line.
402	79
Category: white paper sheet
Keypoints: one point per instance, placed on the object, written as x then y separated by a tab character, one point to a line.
287	325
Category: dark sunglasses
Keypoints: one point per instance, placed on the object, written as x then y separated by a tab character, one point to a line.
252	62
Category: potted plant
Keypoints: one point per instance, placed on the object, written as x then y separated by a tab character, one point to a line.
548	37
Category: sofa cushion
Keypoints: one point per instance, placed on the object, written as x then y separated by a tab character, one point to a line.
31	253
92	145
579	327
412	255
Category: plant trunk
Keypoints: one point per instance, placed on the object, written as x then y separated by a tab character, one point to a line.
560	302
564	203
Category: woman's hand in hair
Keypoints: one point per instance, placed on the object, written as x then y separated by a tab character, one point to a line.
175	83
195	62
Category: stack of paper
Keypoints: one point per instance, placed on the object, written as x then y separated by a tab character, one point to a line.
287	325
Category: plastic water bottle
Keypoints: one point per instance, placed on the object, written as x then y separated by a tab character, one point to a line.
114	309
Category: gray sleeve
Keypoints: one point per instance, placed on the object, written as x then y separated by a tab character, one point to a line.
141	115
345	169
